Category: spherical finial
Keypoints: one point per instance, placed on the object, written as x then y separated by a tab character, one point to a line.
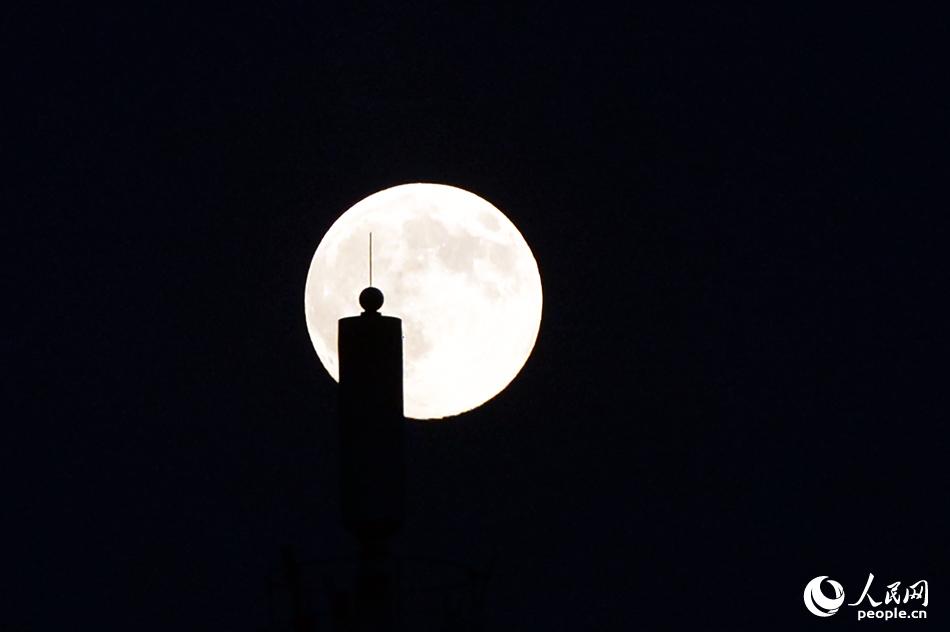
371	299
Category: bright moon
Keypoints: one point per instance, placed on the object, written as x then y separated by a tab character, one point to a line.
454	269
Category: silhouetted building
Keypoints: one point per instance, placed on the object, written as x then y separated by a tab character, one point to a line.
373	469
371	422
378	591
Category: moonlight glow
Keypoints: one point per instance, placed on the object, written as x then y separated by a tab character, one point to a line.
457	272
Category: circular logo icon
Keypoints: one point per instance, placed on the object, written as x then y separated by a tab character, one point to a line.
816	601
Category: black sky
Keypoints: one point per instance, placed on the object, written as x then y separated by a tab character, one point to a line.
741	373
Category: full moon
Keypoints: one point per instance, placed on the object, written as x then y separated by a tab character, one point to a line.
455	270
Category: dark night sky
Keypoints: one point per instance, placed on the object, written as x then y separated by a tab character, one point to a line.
740	378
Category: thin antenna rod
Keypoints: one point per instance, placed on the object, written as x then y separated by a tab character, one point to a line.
371	259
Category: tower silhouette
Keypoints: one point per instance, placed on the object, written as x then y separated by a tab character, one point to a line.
377	591
371	422
372	454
